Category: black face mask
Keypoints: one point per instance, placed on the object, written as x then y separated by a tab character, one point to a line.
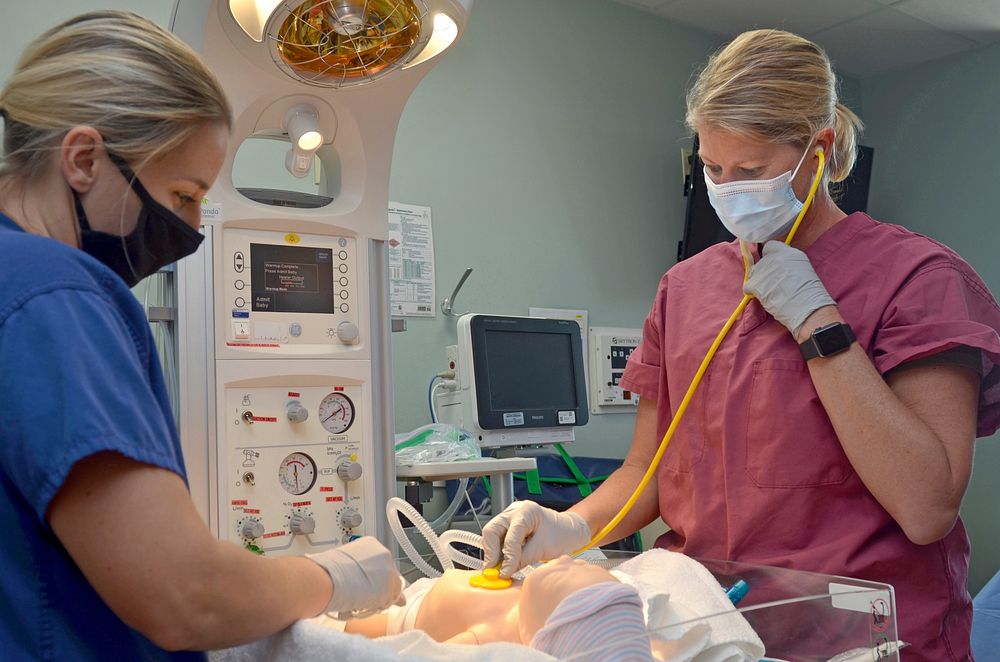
160	236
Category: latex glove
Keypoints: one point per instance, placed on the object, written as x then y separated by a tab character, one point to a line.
364	576
527	533
787	286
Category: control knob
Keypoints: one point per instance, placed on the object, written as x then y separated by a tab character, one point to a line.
302	524
349	471
252	529
296	412
347	333
350	518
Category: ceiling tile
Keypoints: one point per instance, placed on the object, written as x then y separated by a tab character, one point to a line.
975	19
730	18
885	40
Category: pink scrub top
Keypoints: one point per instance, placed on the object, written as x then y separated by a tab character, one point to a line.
755	472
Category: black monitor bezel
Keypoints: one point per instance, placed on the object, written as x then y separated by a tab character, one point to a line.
490	419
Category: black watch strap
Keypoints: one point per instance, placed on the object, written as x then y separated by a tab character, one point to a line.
827	341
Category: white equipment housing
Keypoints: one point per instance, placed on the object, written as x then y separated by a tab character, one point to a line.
283	327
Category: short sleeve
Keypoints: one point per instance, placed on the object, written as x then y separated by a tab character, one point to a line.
76	380
642	372
942	307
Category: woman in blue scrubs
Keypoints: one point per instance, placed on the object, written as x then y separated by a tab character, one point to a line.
113	131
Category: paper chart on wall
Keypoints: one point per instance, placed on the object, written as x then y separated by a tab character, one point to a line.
411	261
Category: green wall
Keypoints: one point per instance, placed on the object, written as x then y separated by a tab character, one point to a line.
548	145
935	171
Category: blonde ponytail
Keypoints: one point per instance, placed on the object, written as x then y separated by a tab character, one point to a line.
775	86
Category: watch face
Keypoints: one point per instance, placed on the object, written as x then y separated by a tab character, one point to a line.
831	339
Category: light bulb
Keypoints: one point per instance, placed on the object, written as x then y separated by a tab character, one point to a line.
445	33
302	124
310	141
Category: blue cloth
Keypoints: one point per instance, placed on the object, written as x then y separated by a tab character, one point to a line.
986	621
78	375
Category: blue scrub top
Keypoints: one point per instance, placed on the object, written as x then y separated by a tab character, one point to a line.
79	374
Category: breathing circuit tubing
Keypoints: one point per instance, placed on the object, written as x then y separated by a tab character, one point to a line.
440	545
668	435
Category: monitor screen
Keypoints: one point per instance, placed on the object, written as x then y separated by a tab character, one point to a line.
291	279
530	370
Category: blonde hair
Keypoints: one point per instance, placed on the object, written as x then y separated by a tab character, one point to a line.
141	87
775	86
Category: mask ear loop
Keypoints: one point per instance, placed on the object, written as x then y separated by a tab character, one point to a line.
132	180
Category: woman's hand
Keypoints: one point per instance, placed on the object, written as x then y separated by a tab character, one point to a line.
787	286
527	533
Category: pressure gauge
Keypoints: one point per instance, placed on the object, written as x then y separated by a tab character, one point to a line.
336	413
297	473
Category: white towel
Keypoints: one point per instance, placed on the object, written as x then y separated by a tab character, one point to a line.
693	594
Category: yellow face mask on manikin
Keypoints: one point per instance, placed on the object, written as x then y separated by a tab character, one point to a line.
757	210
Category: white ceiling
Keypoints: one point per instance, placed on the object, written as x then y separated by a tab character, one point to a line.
862	37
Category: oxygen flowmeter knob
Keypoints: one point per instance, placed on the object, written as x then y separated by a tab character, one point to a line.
302	524
296	412
252	529
347	333
350	518
349	471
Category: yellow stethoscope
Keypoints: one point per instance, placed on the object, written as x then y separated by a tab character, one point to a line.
490	577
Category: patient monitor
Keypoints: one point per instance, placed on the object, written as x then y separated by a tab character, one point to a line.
519	381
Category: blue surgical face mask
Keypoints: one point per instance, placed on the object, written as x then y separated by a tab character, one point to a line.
757	210
160	237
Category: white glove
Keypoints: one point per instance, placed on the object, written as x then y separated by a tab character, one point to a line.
527	533
364	575
787	286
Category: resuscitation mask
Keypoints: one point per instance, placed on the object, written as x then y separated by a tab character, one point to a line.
160	236
757	210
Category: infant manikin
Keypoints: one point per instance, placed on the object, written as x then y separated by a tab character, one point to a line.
565	606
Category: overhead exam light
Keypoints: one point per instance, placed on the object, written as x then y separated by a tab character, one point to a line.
335	43
302	125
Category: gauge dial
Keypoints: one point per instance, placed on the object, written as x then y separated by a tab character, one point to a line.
297	473
336	413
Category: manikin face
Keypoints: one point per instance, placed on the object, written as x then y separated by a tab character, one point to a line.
547	586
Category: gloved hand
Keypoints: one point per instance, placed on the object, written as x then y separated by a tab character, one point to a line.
526	533
364	575
787	286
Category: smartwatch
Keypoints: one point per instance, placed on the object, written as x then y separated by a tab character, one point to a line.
827	341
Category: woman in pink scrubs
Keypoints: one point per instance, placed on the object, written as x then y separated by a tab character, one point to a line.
834	430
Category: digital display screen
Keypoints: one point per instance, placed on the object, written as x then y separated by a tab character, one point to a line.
530	370
291	279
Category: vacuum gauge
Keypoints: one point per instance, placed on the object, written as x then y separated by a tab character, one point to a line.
336	413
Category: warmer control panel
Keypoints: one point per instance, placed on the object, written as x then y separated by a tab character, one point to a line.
610	349
295	467
284	289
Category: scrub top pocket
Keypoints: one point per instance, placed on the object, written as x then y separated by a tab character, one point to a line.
789	439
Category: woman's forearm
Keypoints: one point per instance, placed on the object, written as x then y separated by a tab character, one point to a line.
914	457
603	504
601	507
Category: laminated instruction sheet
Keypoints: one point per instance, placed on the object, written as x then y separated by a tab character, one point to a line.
411	261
